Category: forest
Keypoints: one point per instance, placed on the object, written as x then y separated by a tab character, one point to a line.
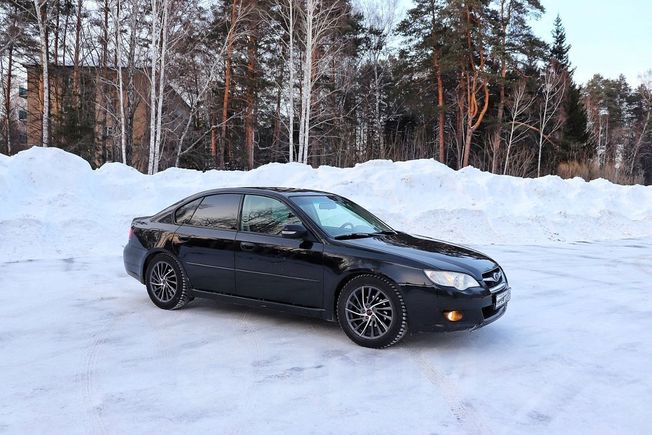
235	84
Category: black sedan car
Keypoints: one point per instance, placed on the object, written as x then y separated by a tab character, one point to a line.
316	254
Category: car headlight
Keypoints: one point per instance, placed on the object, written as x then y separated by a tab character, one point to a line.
460	281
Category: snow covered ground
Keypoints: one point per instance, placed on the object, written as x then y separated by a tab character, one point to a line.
83	350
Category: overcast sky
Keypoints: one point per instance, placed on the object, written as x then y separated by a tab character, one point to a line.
609	37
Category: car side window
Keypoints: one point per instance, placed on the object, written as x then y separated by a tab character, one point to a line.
264	215
185	212
217	211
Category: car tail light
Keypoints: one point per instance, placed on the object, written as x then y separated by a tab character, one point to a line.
131	232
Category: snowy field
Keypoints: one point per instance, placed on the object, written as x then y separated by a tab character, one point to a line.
83	350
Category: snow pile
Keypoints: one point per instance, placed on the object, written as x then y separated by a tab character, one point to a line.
52	204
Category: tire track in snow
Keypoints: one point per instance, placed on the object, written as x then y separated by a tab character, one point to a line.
86	380
469	420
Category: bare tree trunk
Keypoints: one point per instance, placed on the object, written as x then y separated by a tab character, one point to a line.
105	99
41	9
225	149
57	8
637	146
440	105
76	90
8	96
505	19
121	102
64	40
304	122
131	91
291	83
553	95
474	85
213	137
154	59
518	107
161	86
251	93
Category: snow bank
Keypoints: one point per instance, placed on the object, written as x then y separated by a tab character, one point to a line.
52	204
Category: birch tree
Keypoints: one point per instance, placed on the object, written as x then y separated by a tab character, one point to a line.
552	96
210	65
318	19
41	8
381	19
287	14
645	92
519	118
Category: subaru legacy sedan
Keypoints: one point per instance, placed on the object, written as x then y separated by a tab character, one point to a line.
315	254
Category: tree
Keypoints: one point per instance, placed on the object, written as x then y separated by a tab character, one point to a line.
573	134
513	38
552	97
319	18
560	48
425	29
41	8
518	108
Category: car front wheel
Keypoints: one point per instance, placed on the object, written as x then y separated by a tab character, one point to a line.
167	285
371	311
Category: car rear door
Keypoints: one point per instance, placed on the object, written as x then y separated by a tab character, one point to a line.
206	242
271	267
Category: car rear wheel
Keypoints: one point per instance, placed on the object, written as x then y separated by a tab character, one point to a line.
371	311
167	285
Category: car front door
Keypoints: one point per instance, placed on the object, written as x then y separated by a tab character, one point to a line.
206	242
273	268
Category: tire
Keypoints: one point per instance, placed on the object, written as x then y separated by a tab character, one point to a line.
167	284
371	311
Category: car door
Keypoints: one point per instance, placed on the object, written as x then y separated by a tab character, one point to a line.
273	268
206	242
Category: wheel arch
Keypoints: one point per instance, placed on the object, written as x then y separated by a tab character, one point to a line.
348	278
153	253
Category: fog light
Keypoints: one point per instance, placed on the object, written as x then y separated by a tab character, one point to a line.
453	316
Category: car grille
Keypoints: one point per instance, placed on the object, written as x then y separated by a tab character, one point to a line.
494	279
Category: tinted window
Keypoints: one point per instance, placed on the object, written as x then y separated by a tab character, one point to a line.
184	213
266	215
217	211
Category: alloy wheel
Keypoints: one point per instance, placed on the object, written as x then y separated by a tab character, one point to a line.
164	282
369	312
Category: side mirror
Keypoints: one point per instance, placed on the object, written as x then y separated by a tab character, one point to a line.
294	232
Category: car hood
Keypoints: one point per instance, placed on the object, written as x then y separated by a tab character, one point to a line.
428	252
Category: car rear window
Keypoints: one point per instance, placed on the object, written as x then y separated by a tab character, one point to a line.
217	211
185	212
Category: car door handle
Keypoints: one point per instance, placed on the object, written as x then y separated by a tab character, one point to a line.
183	238
246	246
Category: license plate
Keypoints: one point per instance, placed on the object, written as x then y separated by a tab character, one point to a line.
503	298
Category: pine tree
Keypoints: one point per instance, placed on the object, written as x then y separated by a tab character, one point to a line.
574	137
560	48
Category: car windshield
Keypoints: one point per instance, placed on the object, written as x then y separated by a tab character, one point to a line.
339	217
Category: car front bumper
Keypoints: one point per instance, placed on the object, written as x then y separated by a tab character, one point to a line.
426	307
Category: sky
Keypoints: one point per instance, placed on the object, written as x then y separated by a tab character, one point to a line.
609	37
606	37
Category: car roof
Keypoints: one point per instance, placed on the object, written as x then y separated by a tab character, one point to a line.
282	191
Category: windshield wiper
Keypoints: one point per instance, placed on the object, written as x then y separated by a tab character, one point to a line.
361	235
353	236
